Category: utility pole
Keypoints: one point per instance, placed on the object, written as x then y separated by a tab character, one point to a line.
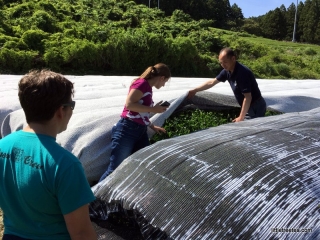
295	24
158	4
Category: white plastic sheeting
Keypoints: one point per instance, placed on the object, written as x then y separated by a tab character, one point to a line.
237	180
100	100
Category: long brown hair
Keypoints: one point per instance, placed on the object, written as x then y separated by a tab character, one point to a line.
160	69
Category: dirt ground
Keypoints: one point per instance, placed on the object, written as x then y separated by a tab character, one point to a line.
1	225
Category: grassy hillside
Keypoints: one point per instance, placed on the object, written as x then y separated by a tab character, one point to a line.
275	59
121	38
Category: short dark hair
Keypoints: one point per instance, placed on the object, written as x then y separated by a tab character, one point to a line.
229	52
42	92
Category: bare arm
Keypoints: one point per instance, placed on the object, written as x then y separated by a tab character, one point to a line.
157	129
132	103
245	107
202	87
79	224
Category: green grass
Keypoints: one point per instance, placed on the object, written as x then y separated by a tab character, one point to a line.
190	121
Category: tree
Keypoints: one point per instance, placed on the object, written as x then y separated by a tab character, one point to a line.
252	26
274	25
236	17
310	21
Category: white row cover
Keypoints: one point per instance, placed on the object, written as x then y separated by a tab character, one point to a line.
100	100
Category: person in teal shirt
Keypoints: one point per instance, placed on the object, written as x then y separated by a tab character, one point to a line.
44	193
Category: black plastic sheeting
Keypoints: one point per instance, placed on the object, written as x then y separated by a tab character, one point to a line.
256	179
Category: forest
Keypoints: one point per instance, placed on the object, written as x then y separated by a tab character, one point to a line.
276	24
123	37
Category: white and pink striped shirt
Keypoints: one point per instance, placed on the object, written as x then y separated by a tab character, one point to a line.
140	117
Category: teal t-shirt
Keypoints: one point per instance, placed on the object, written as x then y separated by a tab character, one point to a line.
40	182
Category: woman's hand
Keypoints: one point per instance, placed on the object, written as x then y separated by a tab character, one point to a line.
157	129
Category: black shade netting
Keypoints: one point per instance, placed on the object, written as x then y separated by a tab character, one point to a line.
257	179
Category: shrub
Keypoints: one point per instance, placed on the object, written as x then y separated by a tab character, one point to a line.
81	54
17	45
53	58
310	51
206	41
115	14
193	120
12	61
181	55
43	21
21	10
4	39
190	121
305	74
264	69
283	70
34	39
180	16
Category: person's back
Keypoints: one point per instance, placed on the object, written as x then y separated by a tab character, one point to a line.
43	193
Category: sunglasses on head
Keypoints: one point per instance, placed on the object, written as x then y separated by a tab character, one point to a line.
70	104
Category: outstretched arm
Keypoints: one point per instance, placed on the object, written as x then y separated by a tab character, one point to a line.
79	225
245	107
202	87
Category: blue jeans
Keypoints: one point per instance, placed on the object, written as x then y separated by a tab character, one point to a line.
257	109
127	138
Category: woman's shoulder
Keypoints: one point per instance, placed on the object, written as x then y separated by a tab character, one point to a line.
140	83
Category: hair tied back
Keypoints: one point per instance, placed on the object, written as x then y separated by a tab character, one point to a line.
154	71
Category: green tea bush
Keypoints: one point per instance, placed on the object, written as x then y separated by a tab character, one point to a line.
206	41
34	39
190	121
17	45
193	120
258	50
21	10
55	45
283	70
16	61
53	59
310	51
263	69
316	64
115	14
125	37
4	39
130	52
43	20
81	54
47	7
180	16
294	61
212	66
181	55
305	74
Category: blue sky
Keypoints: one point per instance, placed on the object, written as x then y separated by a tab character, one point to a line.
255	8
